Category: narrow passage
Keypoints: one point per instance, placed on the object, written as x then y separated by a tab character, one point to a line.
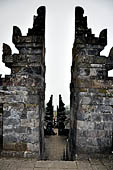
55	147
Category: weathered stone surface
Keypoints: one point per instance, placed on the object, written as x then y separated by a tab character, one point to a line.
91	92
23	92
1	127
48	119
15	146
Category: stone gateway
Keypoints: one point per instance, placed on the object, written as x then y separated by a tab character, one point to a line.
91	98
22	94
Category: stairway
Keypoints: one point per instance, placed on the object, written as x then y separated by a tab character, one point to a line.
55	147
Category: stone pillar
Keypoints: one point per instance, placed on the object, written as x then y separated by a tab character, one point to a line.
1	127
91	89
24	92
61	117
49	113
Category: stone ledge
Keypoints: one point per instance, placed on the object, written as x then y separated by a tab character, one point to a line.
93	156
20	154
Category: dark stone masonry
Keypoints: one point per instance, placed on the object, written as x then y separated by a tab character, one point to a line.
22	94
91	99
1	127
61	117
48	120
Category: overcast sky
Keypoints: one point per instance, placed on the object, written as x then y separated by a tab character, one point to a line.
60	23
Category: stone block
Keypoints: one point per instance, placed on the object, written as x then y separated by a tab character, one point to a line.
33	99
15	146
107	117
33	139
23	137
85	125
8	131
97	117
108	125
83	116
85	100
24	123
99	125
20	129
9	138
23	115
7	114
105	109
11	121
32	114
33	147
84	72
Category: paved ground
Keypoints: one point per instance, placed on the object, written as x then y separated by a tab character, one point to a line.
55	147
23	164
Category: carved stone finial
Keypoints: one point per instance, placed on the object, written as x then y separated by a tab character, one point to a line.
80	25
41	10
39	23
61	104
79	12
111	53
16	31
103	37
50	101
6	50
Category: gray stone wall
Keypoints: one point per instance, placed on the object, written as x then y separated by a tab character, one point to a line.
91	92
23	92
1	127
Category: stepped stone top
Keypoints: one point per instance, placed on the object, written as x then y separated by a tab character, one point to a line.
83	35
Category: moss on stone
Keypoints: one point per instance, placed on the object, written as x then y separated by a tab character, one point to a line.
15	147
83	90
102	91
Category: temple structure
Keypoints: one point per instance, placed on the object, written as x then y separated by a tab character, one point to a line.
48	125
61	117
91	99
22	94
